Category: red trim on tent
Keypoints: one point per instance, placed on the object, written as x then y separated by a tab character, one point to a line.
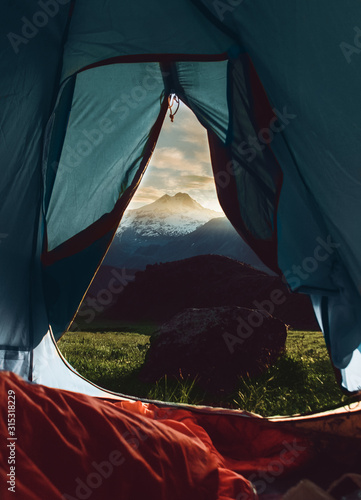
228	199
221	155
141	58
264	114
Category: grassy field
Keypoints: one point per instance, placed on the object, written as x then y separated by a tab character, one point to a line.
301	381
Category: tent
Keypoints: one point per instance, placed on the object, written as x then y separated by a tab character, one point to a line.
84	92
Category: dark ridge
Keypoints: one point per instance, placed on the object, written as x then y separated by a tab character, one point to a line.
163	290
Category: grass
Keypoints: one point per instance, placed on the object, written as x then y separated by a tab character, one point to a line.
109	359
301	381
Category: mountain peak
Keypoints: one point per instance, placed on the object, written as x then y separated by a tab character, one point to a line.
165	197
184	196
175	199
178	203
172	215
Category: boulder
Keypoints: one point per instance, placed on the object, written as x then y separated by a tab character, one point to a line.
217	345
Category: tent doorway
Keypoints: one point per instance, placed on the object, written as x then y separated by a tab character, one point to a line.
113	338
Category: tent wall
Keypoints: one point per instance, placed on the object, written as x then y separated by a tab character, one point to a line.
138	30
294	104
114	118
314	78
31	52
305	54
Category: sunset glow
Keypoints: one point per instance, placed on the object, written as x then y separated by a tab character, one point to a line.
181	162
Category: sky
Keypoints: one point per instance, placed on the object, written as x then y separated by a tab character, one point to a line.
180	163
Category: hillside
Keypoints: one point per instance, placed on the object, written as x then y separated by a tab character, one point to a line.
163	290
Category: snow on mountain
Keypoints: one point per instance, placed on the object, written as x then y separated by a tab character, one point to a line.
175	228
168	216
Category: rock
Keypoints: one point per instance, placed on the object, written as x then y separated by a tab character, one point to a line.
217	345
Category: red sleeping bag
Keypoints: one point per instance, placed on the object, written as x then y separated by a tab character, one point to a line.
70	446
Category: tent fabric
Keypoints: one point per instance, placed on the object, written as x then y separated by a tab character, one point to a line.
313	78
281	110
97	170
97	35
50	368
92	154
30	66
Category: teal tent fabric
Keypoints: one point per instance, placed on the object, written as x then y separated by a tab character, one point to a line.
84	90
95	165
314	77
103	31
30	68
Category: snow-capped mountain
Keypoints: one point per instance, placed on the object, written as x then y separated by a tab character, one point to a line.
175	228
168	216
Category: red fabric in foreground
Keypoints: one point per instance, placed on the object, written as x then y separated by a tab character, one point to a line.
71	446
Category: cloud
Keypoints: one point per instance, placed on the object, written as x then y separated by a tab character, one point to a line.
145	195
206	197
187	135
202	156
196	181
168	158
174	159
192	131
181	162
